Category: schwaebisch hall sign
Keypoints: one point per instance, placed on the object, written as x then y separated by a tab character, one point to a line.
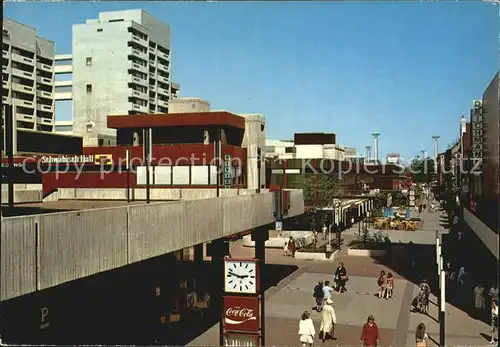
81	159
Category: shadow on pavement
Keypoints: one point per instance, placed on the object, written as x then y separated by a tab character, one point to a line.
123	306
469	252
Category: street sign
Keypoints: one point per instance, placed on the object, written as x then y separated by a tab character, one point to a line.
227	171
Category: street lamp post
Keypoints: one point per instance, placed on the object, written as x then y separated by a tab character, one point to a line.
375	137
368	153
436	149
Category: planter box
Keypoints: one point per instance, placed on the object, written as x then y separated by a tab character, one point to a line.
315	255
366	252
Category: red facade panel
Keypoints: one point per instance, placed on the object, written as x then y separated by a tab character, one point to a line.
178	154
176	119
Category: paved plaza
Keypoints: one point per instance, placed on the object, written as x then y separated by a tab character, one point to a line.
293	295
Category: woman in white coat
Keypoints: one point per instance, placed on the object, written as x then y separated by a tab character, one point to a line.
328	321
306	330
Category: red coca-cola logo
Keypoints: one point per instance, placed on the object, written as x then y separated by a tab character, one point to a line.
241	313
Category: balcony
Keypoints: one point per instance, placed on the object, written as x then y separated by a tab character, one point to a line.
23	74
152	101
136	53
46	108
5	54
138	67
152	87
140	41
25	117
43	120
163	55
162	103
63	69
152	63
5	99
22	88
163	91
44	80
139	81
163	67
44	67
152	50
138	94
24	103
163	79
5	84
136	107
44	94
21	59
5	68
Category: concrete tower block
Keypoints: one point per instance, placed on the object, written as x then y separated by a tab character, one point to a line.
254	138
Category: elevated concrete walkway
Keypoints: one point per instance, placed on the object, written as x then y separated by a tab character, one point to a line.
45	250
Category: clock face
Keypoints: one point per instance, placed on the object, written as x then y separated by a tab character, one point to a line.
240	276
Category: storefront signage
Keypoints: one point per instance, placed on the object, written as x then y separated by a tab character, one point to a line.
44	318
241	340
227	171
241	313
81	159
477	126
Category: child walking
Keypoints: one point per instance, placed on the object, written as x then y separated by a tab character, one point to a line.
390	286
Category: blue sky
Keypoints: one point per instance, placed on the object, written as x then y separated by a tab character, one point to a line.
407	70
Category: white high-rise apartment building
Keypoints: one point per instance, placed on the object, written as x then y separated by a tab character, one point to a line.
121	65
28	77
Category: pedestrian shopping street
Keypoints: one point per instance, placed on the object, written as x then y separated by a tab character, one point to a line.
293	295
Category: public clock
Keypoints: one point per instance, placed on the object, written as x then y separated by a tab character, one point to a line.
240	276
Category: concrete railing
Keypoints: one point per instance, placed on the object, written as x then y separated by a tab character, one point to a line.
140	193
42	251
23	196
485	234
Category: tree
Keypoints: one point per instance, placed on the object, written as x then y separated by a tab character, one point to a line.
318	189
422	170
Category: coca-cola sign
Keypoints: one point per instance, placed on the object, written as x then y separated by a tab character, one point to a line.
241	313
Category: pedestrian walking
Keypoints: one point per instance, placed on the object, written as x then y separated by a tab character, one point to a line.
306	330
291	247
390	286
324	230
327	290
494	322
369	333
493	293
340	278
381	283
319	296
286	251
421	336
328	321
479	301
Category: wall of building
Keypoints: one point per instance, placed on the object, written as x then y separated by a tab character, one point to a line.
28	83
491	138
255	138
188	105
115	90
104	239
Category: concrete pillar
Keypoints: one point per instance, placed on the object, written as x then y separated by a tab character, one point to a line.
198	253
260	236
217	252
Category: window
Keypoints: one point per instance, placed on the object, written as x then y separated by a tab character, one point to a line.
193	105
88	61
99	30
89	88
